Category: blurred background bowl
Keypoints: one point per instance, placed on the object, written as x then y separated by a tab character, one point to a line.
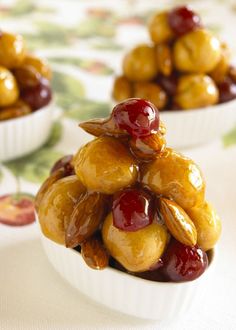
21	136
190	128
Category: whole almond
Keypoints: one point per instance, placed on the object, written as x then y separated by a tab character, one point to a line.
148	147
178	222
94	253
98	127
85	219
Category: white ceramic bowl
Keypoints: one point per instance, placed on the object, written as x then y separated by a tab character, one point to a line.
125	293
199	126
22	135
189	128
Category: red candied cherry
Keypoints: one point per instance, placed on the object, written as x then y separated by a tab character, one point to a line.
227	89
65	163
138	117
183	20
37	96
183	263
132	210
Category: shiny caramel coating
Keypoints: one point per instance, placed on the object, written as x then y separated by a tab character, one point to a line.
175	176
57	205
208	225
16	110
12	50
122	89
198	51
105	165
39	64
148	147
8	88
140	63
59	174
164	59
151	92
94	253
86	218
178	222
137	251
196	91
159	28
221	69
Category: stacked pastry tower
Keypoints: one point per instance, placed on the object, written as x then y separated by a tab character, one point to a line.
127	200
184	67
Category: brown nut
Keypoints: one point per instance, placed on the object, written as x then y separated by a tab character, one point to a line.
196	91
105	165
198	51
94	253
40	65
85	218
57	205
8	88
175	176
99	127
164	59
159	28
148	147
137	251
18	109
178	222
208	225
12	50
140	64
122	89
222	68
151	92
26	76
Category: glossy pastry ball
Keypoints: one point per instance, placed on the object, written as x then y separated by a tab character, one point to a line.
140	63
137	251
208	225
12	50
151	92
57	205
122	89
175	176
159	28
198	51
196	91
8	88
221	69
105	165
40	65
17	109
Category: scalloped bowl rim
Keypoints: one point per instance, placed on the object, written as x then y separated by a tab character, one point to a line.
34	113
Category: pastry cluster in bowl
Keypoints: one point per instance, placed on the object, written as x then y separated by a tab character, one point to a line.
184	67
127	200
24	78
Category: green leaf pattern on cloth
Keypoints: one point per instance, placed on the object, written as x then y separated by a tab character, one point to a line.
229	139
68	90
36	166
